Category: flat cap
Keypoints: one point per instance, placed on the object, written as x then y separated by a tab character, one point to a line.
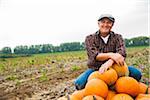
109	16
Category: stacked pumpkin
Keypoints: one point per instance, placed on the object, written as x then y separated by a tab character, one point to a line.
114	84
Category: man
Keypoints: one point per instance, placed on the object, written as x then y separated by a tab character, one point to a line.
104	48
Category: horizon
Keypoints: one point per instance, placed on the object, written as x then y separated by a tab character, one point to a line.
62	43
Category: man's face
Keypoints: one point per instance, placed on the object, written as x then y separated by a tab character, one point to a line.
105	25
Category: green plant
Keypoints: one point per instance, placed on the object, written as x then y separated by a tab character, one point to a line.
74	68
2	68
17	82
11	77
43	77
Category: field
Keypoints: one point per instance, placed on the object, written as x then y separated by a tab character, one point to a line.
50	76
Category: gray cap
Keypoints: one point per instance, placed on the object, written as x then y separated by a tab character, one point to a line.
109	16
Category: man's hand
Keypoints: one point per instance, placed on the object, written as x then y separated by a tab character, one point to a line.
118	58
106	65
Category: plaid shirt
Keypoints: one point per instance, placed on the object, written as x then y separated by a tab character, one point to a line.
94	44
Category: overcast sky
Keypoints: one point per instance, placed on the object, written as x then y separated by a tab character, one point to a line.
26	22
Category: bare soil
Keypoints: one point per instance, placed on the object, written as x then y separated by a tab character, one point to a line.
30	87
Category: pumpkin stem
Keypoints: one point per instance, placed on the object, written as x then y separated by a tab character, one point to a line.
94	98
147	90
68	98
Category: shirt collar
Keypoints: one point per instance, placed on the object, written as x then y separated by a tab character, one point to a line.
110	33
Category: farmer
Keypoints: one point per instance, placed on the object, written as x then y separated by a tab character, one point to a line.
104	48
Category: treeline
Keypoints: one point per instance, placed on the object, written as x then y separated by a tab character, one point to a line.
43	48
73	46
138	41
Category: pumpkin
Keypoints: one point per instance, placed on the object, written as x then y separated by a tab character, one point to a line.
78	94
121	70
110	95
143	97
127	85
109	77
71	97
96	87
94	75
92	97
148	90
143	87
122	96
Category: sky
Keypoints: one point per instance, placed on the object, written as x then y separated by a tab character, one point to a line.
27	22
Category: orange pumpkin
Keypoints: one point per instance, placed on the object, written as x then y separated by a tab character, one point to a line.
109	77
94	75
148	90
127	85
78	94
121	70
110	95
92	97
143	87
73	98
96	87
122	96
143	97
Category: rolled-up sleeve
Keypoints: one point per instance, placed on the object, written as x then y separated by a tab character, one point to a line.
120	46
92	51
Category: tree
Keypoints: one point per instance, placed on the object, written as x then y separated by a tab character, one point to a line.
6	50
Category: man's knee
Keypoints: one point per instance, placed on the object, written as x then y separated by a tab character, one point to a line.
81	81
135	73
